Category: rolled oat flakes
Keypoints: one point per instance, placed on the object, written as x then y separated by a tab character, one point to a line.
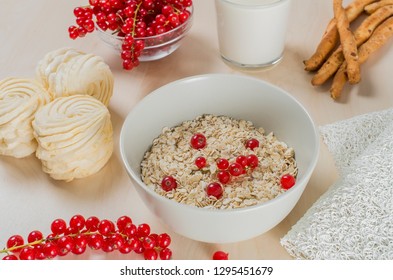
172	155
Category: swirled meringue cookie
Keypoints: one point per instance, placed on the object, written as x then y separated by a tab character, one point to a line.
19	100
67	71
74	135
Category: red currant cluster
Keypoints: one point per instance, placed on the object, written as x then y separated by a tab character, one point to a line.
132	20
241	165
81	233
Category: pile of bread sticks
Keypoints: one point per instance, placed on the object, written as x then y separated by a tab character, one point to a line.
341	51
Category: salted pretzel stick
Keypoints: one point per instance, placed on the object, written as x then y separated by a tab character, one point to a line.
348	42
379	38
371	8
330	38
362	33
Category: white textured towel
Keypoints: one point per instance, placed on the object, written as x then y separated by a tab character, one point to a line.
354	218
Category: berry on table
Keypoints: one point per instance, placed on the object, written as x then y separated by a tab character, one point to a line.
165	254
123	236
34	236
220	255
163	240
77	222
15	241
58	226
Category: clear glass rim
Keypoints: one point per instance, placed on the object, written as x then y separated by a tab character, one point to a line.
189	21
253	6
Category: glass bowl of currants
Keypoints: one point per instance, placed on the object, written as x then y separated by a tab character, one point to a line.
140	30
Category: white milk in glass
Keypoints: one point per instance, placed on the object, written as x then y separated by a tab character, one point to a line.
251	33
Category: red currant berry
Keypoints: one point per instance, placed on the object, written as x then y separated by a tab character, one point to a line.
143	230
148	243
130	230
222	163
107	246
50	250
95	241
183	16
58	226
220	255
127	64
252	143
126	248
91	223
122	222
73	32
117	240
77	222
168	183
235	169
200	162
15	241
27	253
39	252
198	141
35	235
80	244
139	45
150	254
138	248
88	25
65	244
10	258
51	238
214	189
287	181
163	240
79	11
242	160
252	161
223	176
165	254
106	227
166	10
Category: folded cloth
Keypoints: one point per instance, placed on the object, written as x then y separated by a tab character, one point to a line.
354	218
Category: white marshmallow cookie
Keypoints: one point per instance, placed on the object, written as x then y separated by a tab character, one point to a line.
67	71
19	100
74	135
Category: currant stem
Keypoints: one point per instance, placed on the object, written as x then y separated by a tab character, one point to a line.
8	250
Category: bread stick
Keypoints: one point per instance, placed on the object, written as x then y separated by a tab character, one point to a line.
330	38
348	42
371	8
362	33
379	38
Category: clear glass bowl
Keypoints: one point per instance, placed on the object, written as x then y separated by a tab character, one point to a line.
156	47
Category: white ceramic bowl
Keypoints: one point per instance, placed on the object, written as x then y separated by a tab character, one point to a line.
235	96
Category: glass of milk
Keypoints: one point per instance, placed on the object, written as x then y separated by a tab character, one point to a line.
252	33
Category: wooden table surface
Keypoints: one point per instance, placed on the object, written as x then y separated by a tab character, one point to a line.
30	200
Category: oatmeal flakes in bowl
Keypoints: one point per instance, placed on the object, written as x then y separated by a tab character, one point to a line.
228	161
226	139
